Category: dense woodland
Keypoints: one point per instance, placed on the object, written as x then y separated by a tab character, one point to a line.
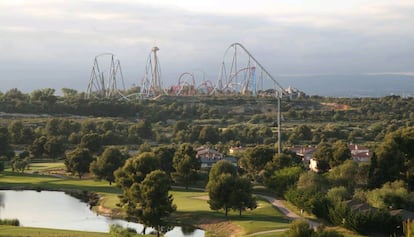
111	137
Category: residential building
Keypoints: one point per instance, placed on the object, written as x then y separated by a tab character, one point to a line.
360	153
208	157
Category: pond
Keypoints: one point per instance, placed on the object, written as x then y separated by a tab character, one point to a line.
57	210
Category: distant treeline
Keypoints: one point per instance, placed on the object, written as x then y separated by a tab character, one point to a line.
309	109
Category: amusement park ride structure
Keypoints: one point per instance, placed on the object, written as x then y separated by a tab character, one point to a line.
240	73
151	83
105	76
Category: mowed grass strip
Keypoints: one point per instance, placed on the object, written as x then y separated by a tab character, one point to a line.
12	180
15	231
46	166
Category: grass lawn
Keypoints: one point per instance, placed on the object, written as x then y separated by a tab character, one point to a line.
10	180
10	231
192	207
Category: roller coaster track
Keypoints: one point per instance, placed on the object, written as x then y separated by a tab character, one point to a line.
226	79
105	76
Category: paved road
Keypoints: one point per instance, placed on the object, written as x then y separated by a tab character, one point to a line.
290	214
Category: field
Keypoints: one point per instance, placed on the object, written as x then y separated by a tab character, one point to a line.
192	206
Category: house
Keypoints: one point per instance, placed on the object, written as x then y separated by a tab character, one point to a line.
208	157
404	214
360	153
203	152
208	163
305	152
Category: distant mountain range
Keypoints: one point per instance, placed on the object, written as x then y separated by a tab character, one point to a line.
352	85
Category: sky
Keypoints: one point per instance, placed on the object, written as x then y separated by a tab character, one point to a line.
53	43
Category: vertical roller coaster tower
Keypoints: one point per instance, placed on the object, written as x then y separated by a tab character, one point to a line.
151	83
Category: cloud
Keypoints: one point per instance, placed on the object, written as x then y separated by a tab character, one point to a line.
296	38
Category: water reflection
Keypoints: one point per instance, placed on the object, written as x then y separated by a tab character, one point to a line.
57	210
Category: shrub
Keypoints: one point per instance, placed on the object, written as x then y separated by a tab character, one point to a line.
300	228
119	231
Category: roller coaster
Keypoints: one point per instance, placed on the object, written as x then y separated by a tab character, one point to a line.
105	77
240	73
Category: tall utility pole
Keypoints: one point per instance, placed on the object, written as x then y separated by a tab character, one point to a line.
279	130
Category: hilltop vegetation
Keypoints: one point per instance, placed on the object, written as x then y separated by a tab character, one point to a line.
109	138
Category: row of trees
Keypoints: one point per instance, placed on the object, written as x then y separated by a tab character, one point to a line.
309	108
144	180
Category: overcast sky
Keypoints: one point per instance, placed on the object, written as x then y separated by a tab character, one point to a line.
52	43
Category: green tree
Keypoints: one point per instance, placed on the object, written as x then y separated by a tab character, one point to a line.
373	179
219	192
69	93
155	202
166	156
256	158
15	130
53	147
186	165
91	141
350	174
396	157
300	228
180	126
227	190
323	155
221	167
88	127
208	134
391	195
313	182
52	127
116	230
340	153
282	179
78	161
141	130
242	195
301	133
106	164
20	163
135	169
27	135
128	178
338	194
37	148
5	148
